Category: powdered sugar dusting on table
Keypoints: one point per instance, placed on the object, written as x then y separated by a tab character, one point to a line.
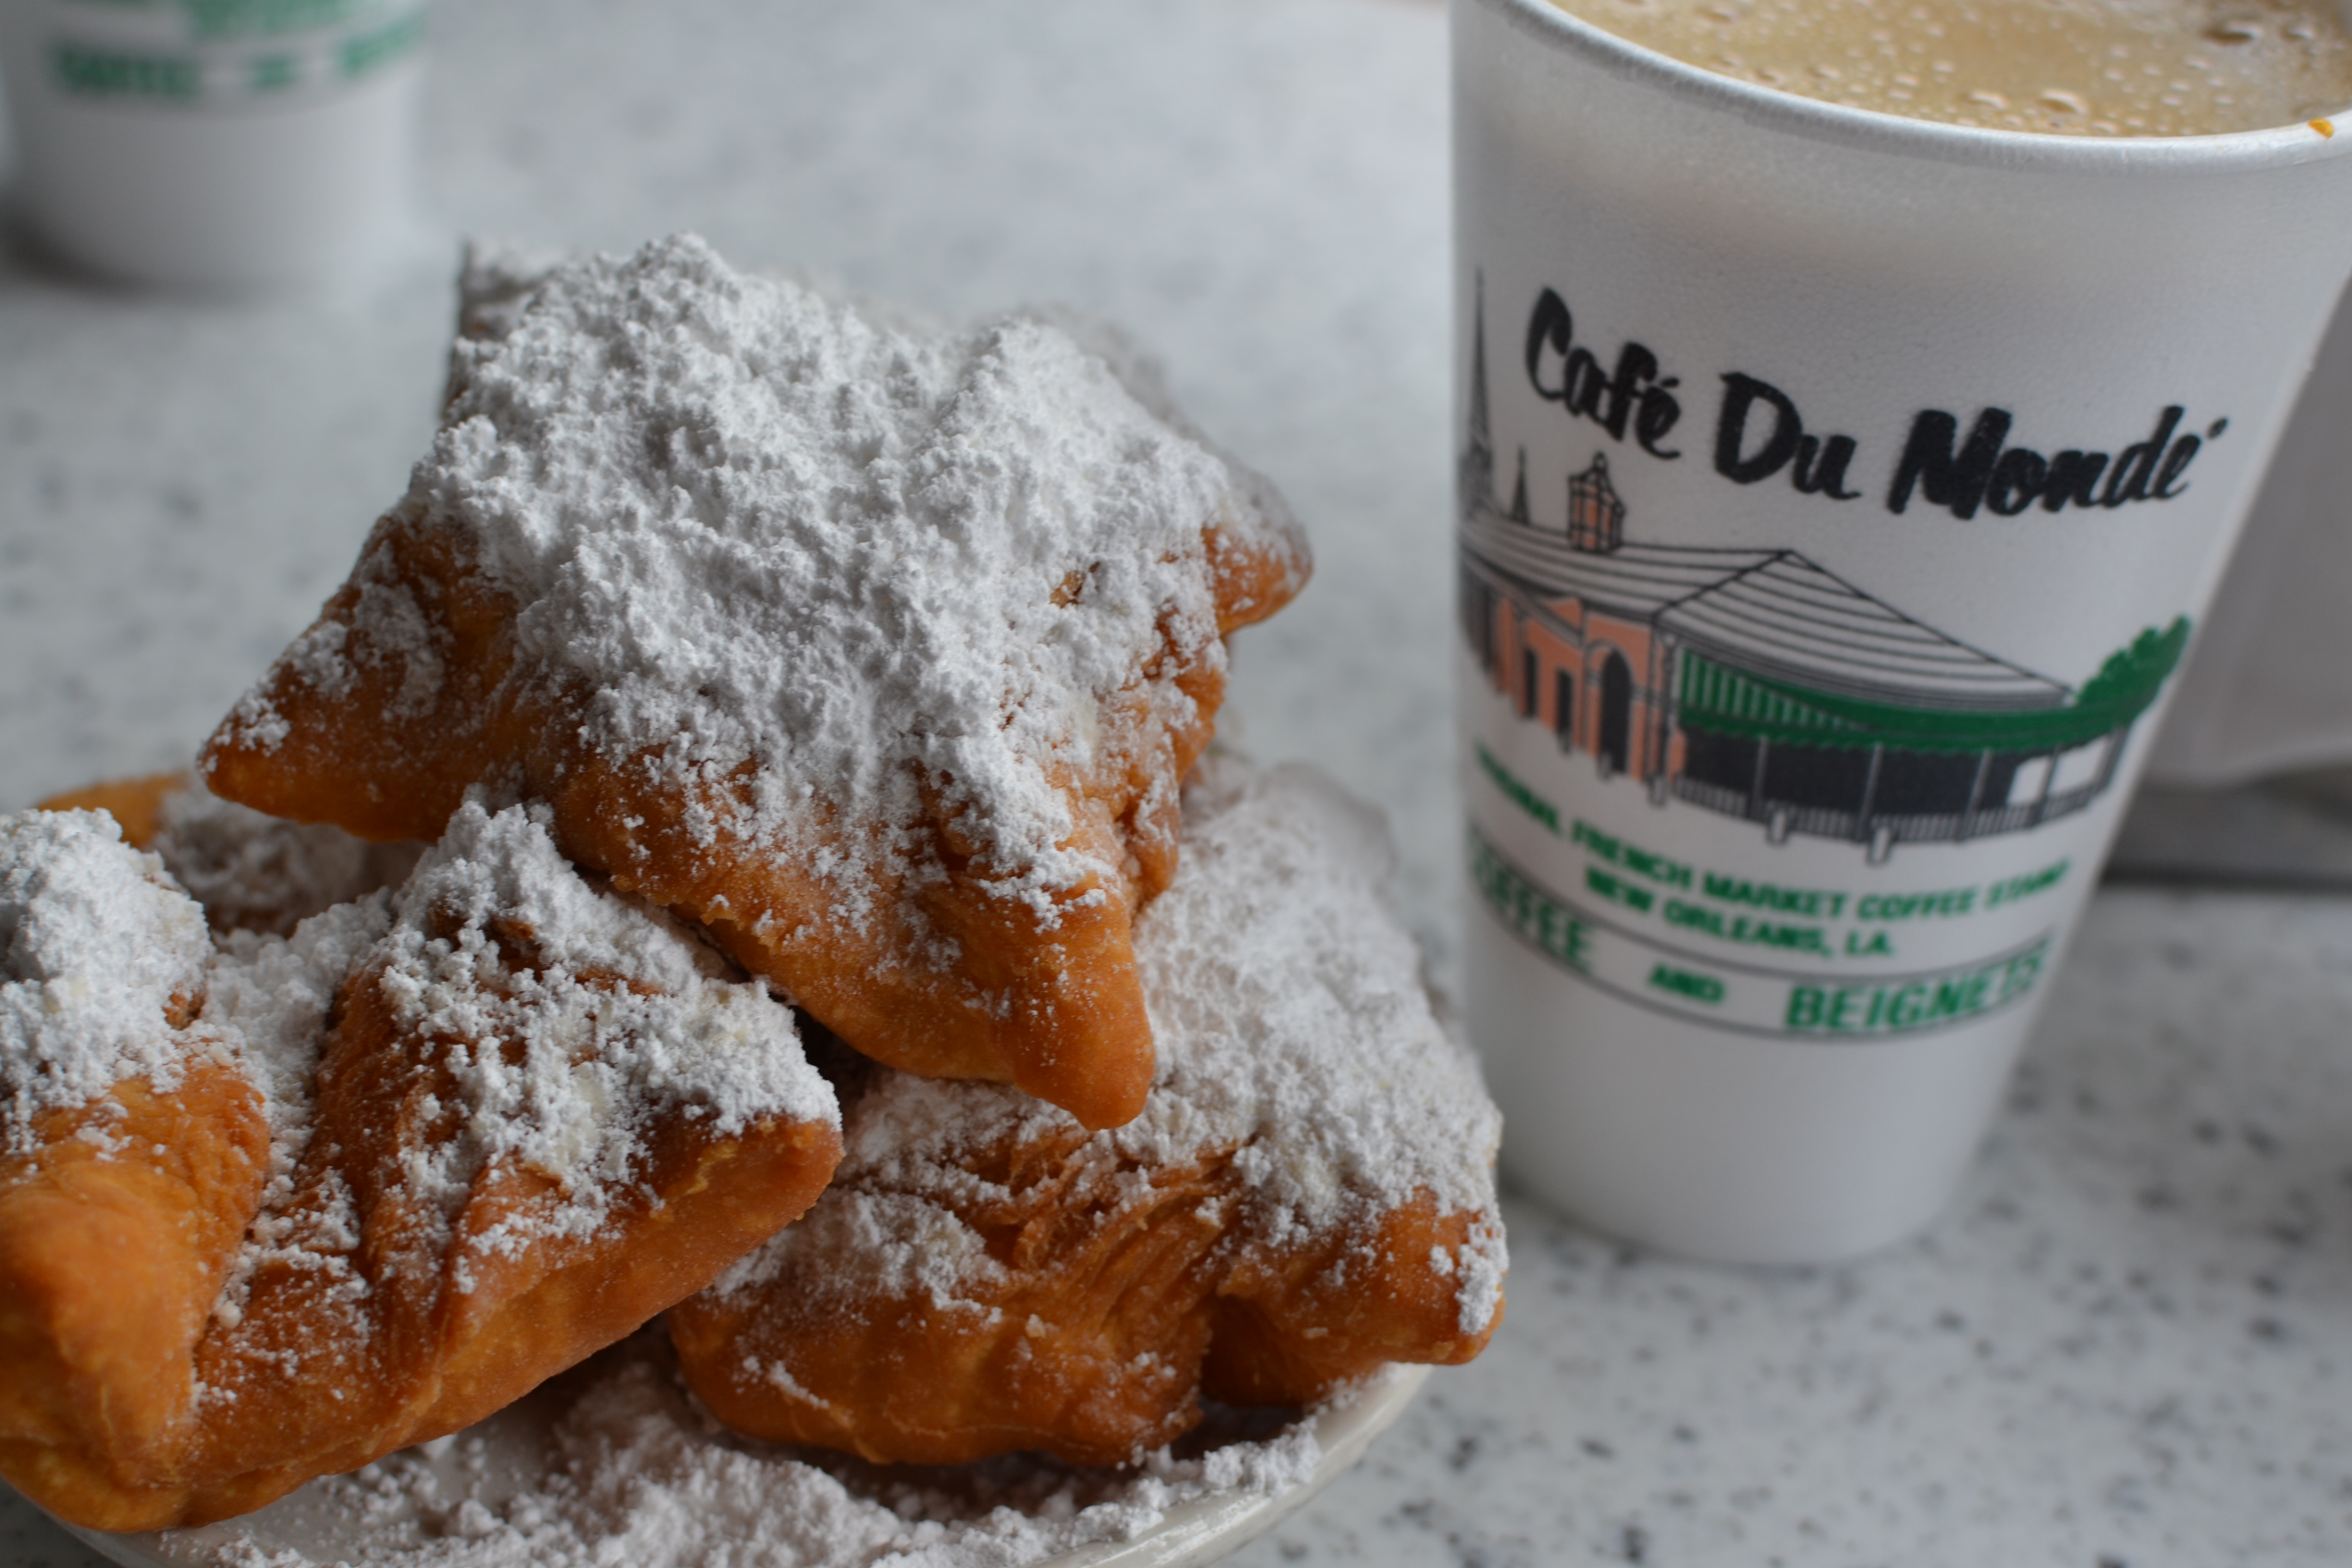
1292	1025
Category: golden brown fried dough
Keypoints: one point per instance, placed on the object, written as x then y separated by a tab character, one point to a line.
112	1251
880	654
1307	1196
135	803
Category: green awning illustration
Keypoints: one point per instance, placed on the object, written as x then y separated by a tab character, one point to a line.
1711	695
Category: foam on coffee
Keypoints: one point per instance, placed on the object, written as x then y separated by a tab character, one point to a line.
2089	68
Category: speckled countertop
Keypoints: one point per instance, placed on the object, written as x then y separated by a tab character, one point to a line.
2124	1345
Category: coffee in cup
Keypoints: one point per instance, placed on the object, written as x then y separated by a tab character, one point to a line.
2090	68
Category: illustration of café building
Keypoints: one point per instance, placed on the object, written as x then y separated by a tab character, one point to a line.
1756	684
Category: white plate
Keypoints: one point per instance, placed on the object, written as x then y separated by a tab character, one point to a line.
1209	1528
516	1446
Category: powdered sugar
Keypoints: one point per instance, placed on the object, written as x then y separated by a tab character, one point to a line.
603	975
626	1470
1482	1260
571	1019
272	997
1279	960
494	286
885	566
97	946
264	873
1292	1027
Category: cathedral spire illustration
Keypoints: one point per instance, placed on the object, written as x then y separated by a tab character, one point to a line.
1477	476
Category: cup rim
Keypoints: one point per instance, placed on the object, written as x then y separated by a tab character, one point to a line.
1872	130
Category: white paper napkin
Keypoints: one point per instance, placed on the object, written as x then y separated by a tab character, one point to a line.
2268	688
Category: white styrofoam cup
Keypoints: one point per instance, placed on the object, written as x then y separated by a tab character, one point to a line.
1838	494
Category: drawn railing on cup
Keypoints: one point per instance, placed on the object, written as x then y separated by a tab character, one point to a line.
1881	832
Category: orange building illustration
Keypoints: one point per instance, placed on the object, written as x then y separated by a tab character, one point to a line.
1757	685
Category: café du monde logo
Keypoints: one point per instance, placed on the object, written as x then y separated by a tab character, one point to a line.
1756	684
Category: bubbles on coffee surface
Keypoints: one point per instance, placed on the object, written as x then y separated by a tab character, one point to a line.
2085	68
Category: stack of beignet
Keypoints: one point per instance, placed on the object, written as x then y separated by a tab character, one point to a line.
731	653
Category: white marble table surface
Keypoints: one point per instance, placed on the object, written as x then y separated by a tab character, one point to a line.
2128	1343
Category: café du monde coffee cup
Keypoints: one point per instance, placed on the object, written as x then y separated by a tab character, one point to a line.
1838	495
214	144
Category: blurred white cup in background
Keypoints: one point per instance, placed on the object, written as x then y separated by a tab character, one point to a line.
214	144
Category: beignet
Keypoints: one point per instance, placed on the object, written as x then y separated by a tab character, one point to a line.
879	653
272	1206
